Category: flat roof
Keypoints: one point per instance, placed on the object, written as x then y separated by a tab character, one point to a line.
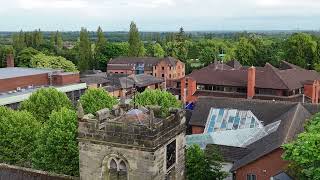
12	72
10	98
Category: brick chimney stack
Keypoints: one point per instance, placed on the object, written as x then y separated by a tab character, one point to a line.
10	60
251	82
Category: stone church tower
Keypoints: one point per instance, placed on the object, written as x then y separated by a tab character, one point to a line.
132	144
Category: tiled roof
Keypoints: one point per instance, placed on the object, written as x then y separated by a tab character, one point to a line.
289	77
141	80
229	153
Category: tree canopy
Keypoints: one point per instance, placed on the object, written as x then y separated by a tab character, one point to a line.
44	101
95	99
136	48
56	145
158	98
85	52
304	152
203	165
18	131
54	62
25	56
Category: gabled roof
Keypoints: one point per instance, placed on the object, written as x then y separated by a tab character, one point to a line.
288	78
141	80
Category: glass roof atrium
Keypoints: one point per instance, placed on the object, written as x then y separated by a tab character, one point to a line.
230	119
231	127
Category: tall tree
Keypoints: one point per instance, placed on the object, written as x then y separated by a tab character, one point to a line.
100	46
136	48
245	52
85	54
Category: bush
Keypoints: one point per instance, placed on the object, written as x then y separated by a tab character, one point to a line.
96	99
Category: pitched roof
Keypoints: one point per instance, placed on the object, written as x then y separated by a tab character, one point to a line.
291	115
291	77
141	80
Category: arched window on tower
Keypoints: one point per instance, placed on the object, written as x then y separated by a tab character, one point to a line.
117	170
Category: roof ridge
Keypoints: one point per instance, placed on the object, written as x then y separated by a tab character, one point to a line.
297	108
275	70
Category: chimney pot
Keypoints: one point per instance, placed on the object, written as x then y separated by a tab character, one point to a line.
10	60
251	82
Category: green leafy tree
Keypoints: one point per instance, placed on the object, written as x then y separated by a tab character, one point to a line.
54	62
19	41
304	152
245	52
300	49
207	55
56	145
136	48
4	51
155	50
24	57
44	101
85	53
96	99
17	136
158	98
203	165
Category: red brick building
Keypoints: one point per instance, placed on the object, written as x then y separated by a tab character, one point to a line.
167	68
16	84
287	83
259	156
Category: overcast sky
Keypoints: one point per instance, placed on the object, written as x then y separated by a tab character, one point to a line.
160	15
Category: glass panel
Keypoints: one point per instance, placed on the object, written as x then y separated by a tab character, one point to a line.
113	164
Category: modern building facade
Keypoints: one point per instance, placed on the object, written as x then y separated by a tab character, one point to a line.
132	144
231	79
167	68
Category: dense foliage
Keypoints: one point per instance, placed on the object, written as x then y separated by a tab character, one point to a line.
160	98
203	165
44	101
56	145
304	152
18	131
136	48
53	62
96	99
24	57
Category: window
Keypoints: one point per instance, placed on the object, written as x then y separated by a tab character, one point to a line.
251	177
171	154
162	68
162	75
155	74
169	75
117	169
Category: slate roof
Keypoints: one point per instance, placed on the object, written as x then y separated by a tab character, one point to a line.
141	80
292	115
12	72
231	74
229	153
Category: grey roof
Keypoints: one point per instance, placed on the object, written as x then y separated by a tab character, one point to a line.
12	72
229	153
292	116
141	80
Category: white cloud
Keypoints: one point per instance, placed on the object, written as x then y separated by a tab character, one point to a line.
158	13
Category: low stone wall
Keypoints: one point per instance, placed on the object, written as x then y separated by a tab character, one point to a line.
9	172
